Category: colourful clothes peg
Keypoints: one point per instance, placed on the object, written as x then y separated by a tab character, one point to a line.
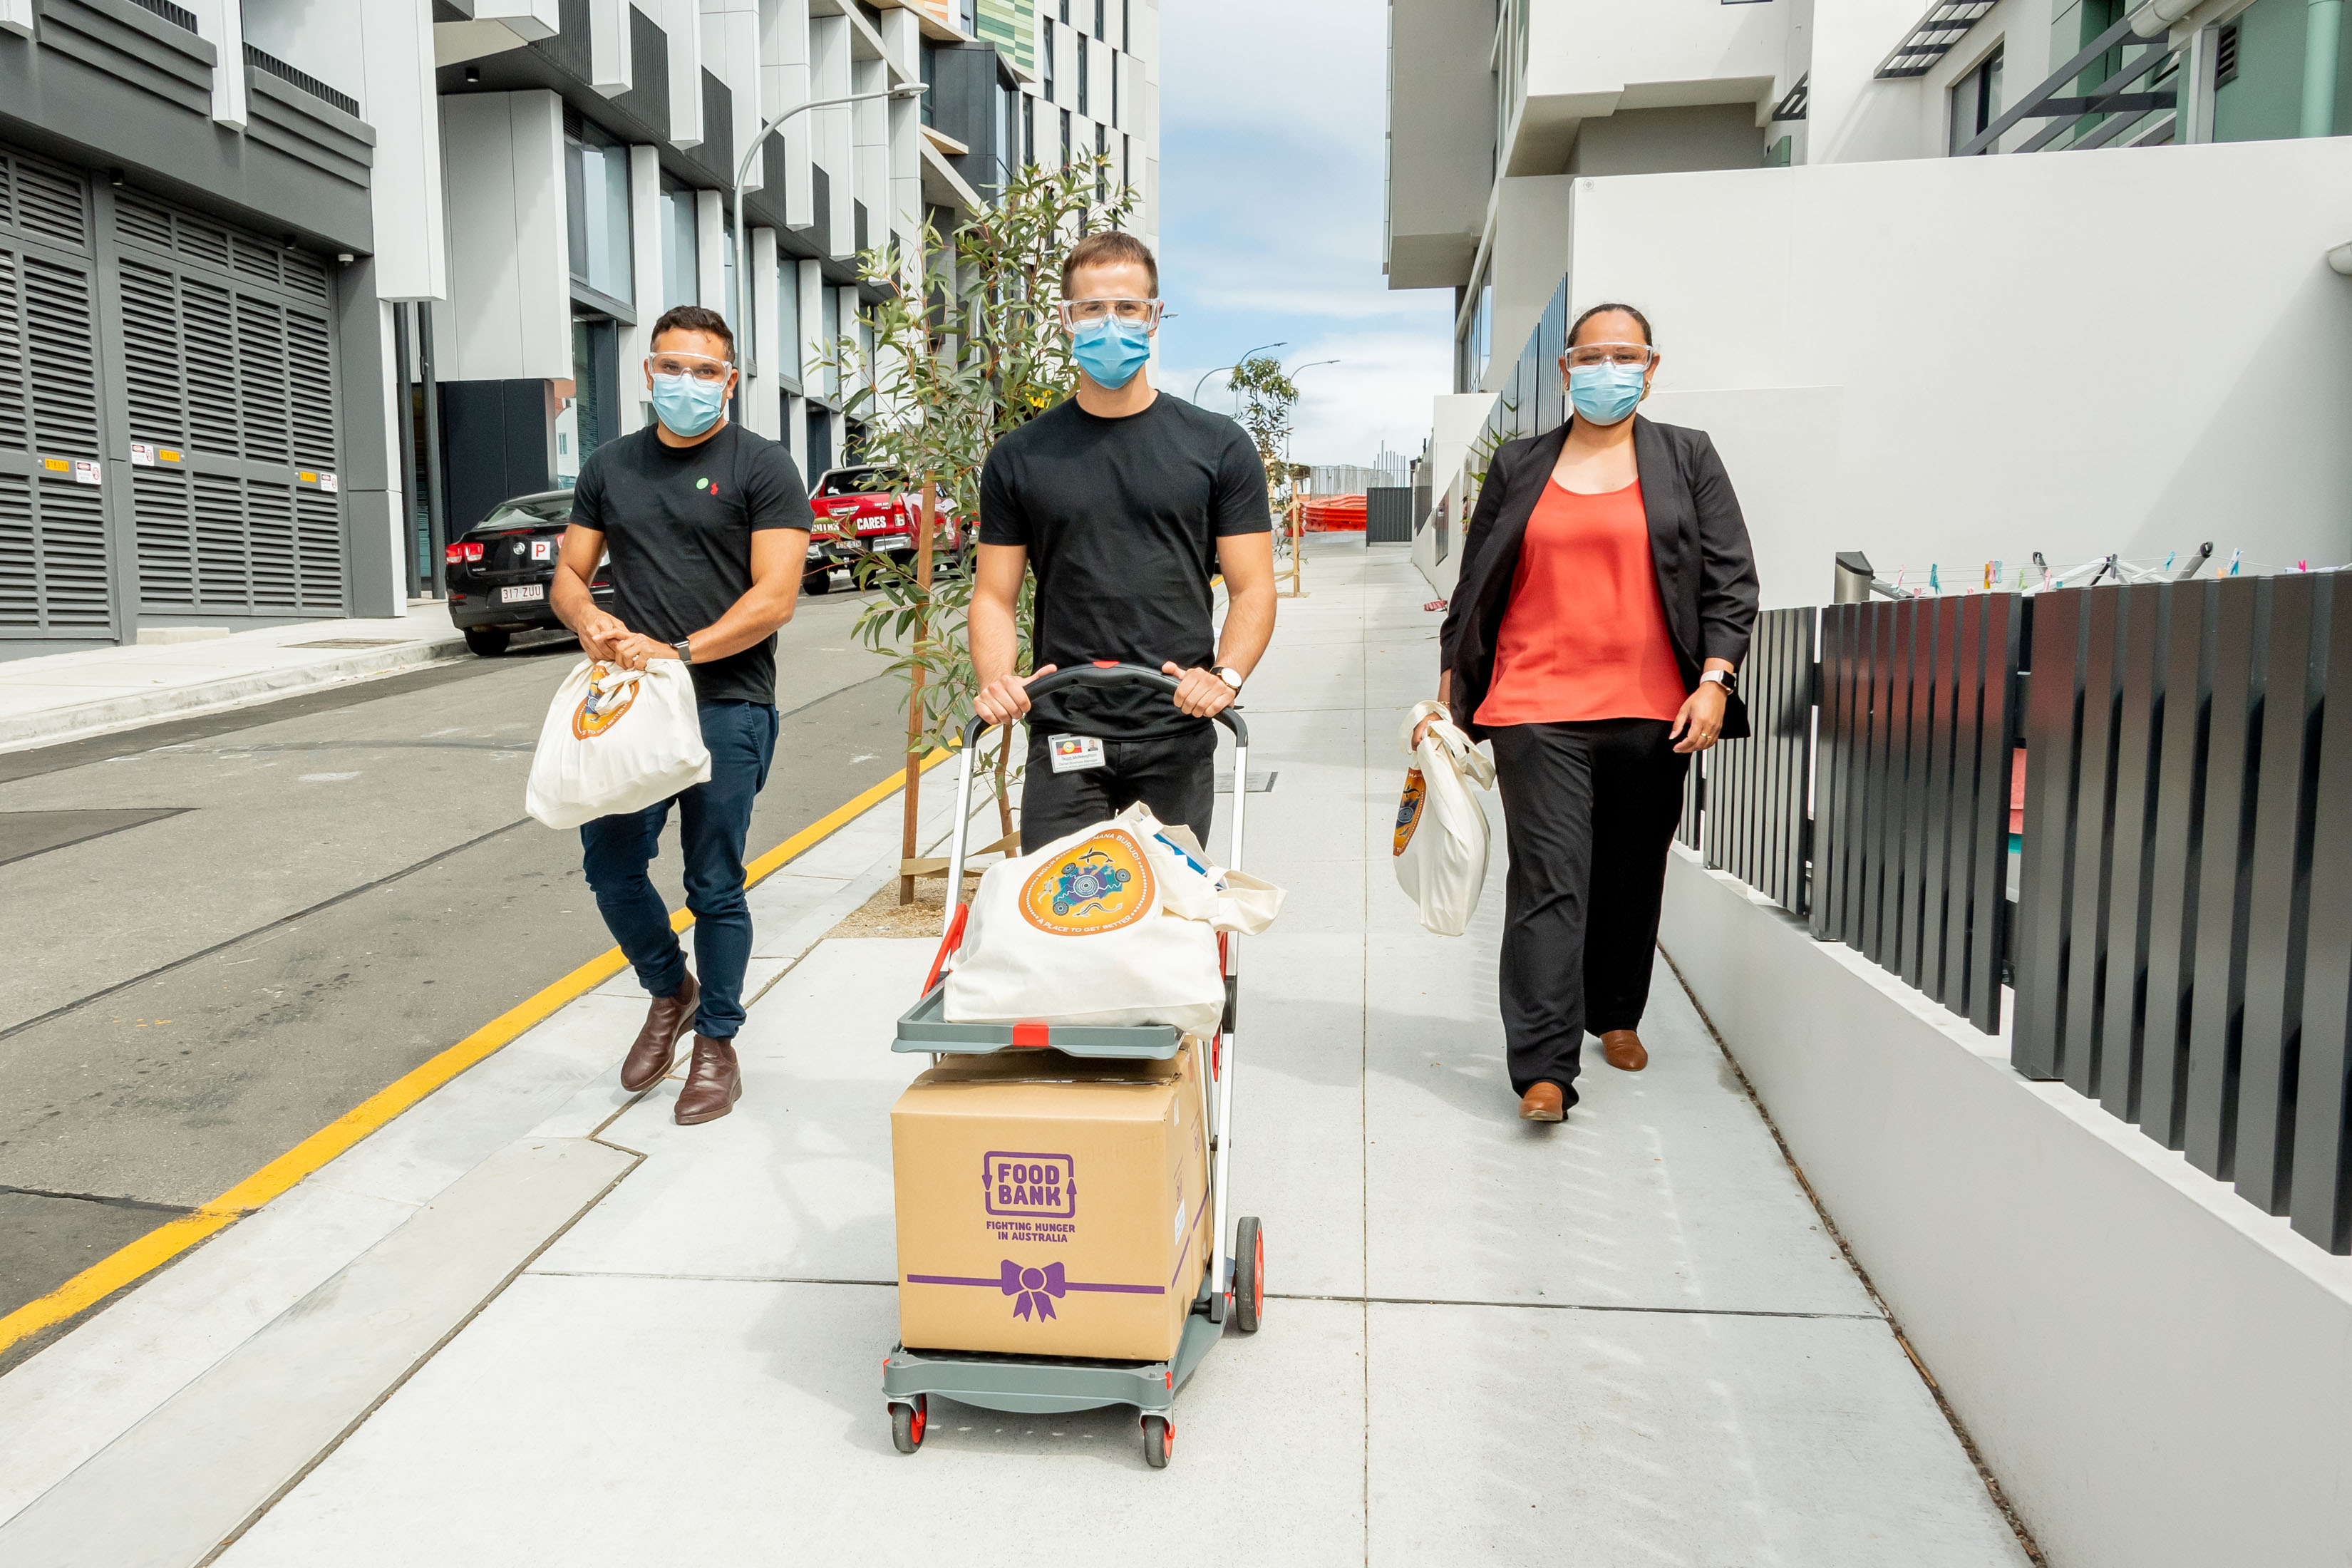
2234	556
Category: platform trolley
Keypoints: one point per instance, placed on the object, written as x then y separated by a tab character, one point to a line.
1234	1288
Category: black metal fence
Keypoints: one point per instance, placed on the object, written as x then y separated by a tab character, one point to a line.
2186	940
2182	903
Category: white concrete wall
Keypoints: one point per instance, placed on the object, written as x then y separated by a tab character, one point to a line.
2129	351
646	272
220	23
411	260
731	49
762	407
2160	1375
611	60
784	82
508	313
681	24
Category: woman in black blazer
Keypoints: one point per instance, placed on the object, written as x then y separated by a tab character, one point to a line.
1606	594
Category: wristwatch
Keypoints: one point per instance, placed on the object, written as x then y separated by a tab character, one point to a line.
1231	678
1726	678
685	646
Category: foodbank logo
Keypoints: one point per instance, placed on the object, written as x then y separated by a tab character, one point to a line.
1100	886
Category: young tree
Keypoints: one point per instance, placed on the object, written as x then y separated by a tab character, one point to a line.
967	345
1267	399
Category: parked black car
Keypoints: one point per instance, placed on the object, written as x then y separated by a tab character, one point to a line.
499	574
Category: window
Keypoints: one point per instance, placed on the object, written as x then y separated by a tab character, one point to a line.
597	203
967	12
1113	89
1098	18
1066	139
1048	62
1082	53
681	252
2225	56
1028	131
1976	101
788	346
1126	27
930	79
1065	12
1102	171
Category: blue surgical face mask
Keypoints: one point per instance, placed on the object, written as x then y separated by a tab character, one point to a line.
686	405
1111	350
1605	394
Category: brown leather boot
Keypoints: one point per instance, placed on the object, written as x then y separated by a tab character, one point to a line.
713	1083
667	1022
1622	1048
1542	1104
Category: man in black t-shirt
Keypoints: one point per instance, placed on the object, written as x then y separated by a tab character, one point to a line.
1125	504
708	525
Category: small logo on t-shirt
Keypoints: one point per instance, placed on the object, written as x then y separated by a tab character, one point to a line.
707	484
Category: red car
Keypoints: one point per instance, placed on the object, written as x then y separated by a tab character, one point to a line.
856	513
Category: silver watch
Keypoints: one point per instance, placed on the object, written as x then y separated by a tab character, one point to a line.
1231	678
685	646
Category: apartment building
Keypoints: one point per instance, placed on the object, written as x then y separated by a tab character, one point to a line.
1950	284
293	290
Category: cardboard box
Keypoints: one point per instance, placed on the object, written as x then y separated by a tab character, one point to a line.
1051	1206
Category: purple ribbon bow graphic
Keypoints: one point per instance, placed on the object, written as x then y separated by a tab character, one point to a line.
1034	1287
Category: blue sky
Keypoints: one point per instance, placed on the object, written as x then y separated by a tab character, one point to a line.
1271	114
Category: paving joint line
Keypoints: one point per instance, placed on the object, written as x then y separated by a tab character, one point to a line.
397	1384
1959	1429
283	921
1575	1307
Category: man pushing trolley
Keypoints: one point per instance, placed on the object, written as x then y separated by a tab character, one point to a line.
1062	1179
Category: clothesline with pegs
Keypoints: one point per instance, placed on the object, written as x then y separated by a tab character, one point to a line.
2177	566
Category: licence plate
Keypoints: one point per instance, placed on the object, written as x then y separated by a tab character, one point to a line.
525	593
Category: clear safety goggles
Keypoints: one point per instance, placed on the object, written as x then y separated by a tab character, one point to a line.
1584	356
1086	312
701	367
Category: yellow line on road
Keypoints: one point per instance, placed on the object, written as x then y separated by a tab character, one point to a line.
168	1240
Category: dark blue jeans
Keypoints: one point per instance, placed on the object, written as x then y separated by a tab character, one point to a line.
713	817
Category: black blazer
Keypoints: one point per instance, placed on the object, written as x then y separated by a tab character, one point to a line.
1699	542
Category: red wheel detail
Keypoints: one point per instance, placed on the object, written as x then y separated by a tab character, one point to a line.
922	1418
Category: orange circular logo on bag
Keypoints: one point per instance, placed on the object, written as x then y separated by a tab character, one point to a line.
1409	809
1097	887
600	710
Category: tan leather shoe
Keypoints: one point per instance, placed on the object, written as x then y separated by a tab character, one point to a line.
1623	1047
667	1022
713	1083
1542	1104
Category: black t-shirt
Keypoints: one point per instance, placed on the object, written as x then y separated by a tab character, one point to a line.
679	521
1121	519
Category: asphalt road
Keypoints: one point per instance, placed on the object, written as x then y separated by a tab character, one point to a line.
227	932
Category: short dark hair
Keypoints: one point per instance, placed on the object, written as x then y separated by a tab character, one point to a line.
1640	320
1109	248
693	319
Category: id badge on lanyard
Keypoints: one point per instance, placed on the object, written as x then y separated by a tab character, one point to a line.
1074	753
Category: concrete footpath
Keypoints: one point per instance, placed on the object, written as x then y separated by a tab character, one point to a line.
55	696
533	1320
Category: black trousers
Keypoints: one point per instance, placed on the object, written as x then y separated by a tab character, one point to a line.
1589	810
1175	776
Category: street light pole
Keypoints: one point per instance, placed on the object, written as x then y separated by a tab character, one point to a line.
1235	366
743	172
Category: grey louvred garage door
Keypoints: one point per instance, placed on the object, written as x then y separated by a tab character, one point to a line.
53	558
229	371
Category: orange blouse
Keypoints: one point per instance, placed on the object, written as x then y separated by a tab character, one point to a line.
1584	635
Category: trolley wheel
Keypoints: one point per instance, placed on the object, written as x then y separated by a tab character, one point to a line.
1158	1441
907	1423
1249	1274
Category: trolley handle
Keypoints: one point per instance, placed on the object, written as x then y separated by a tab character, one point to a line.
1105	672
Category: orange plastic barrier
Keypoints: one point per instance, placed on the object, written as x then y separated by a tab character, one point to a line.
1333	514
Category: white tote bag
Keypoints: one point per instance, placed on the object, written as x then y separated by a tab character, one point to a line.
617	741
1114	925
1441	836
